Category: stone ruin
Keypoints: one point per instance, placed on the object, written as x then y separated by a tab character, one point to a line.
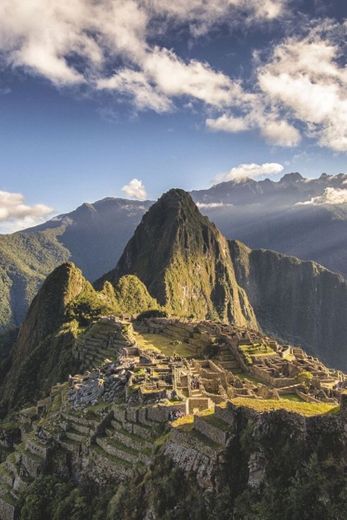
105	422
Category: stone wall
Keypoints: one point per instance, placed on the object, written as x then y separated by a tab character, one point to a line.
199	403
212	432
7	511
226	414
277	382
36	449
192	456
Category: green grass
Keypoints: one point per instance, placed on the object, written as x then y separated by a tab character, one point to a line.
118	444
247	377
291	405
257	349
166	345
115	460
184	423
292	397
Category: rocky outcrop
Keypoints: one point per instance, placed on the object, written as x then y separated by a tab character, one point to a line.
185	263
43	353
300	302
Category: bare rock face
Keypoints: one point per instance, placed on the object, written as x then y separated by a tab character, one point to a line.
185	263
300	302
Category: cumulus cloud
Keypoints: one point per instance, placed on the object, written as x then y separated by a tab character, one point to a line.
304	82
275	131
228	123
202	15
136	85
109	45
305	77
16	214
77	41
248	170
329	196
135	190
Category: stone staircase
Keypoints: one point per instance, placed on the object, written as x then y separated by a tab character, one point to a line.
77	432
227	360
129	437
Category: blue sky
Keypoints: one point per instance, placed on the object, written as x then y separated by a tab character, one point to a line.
172	94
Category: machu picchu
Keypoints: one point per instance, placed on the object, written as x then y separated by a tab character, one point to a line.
134	401
160	377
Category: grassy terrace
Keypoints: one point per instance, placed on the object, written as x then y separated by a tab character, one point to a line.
255	350
166	345
289	404
116	461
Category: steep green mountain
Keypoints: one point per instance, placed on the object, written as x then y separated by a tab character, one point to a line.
300	302
64	307
263	214
184	262
42	353
191	269
93	236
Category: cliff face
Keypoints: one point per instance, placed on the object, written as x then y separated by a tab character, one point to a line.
299	302
246	465
42	353
185	263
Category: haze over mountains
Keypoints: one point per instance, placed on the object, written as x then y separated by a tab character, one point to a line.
297	216
192	270
300	217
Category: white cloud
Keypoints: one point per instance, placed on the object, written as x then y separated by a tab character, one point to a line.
248	170
135	84
305	77
135	190
276	131
330	196
174	77
16	214
304	83
51	38
202	15
45	36
279	132
228	123
212	205
109	45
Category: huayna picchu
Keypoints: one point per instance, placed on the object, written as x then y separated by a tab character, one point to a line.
168	390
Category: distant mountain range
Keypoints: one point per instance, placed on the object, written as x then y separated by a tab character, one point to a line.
295	216
177	261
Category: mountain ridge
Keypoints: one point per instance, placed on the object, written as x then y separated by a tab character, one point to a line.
168	252
94	235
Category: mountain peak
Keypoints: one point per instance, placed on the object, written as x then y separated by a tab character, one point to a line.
47	310
175	200
185	262
292	177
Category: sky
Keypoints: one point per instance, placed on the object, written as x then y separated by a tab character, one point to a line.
129	98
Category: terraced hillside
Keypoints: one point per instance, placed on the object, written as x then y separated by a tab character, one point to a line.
184	393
